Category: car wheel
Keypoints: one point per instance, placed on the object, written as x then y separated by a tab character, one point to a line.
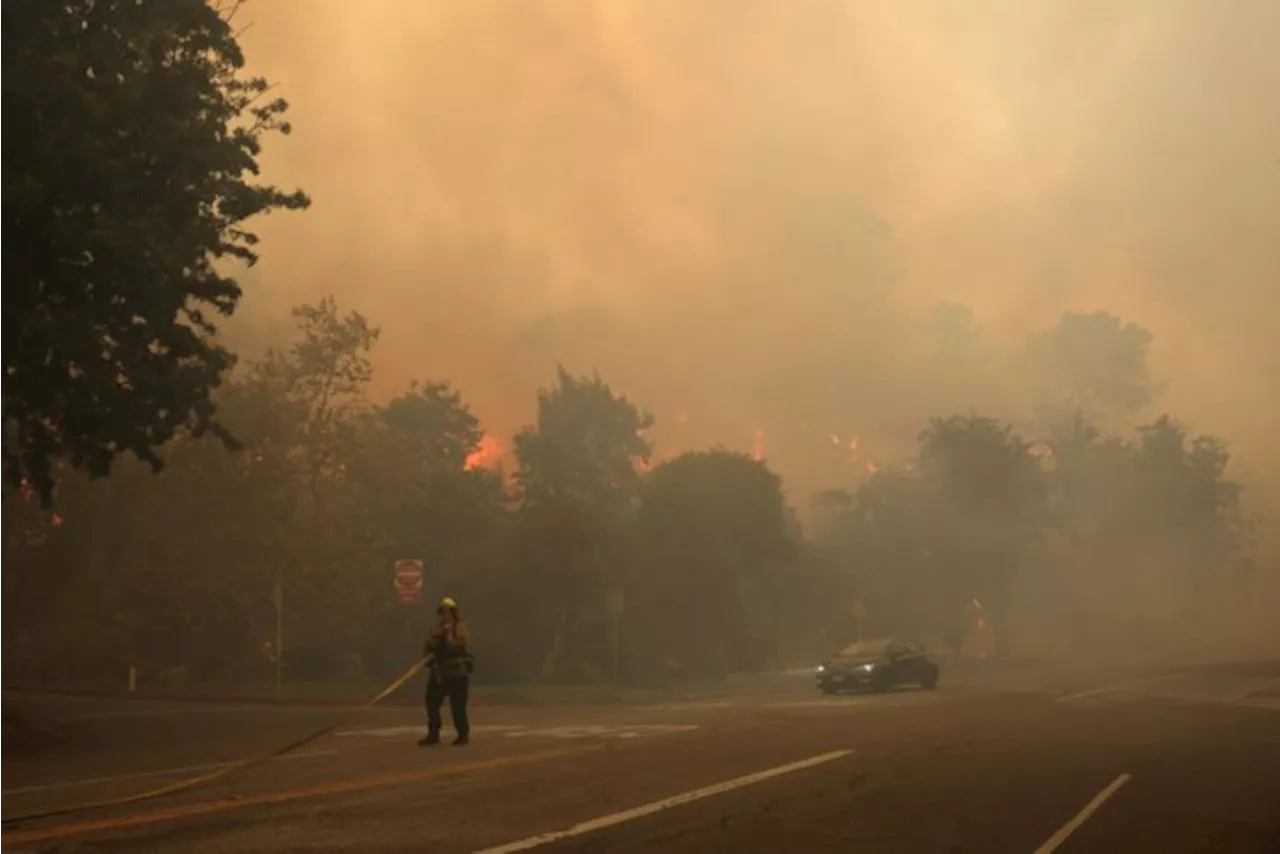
827	689
880	684
930	680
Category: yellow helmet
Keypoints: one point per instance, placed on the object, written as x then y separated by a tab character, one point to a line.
449	602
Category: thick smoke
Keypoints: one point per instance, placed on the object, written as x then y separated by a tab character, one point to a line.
740	210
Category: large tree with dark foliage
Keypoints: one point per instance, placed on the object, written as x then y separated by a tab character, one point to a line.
714	537
577	482
130	155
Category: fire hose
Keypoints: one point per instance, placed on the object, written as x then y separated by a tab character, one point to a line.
226	770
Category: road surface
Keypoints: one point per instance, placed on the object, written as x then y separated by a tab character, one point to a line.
1161	761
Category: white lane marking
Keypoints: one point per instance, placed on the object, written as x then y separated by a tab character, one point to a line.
665	804
846	701
1081	817
419	729
583	731
690	706
142	775
621	731
1107	689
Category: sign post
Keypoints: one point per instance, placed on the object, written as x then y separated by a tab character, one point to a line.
859	611
408	580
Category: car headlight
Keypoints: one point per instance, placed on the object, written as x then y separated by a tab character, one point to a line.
867	668
822	668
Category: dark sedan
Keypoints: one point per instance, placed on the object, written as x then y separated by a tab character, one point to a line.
877	665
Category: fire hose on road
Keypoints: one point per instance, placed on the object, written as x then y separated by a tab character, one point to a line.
228	770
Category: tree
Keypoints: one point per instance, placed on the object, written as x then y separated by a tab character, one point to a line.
1090	484
129	166
978	463
585	447
406	476
576	482
715	534
408	483
1145	541
140	582
1185	500
1094	363
883	548
325	374
985	498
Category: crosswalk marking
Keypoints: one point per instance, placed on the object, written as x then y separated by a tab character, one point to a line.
622	731
401	731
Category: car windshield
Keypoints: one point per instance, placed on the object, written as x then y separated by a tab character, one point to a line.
864	649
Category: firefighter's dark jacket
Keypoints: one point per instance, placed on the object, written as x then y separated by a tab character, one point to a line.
448	650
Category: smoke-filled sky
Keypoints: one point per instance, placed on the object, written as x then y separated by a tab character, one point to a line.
737	209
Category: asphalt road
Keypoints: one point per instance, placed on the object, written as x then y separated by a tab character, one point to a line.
1160	761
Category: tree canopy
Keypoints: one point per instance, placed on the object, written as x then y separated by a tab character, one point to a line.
588	563
130	176
715	540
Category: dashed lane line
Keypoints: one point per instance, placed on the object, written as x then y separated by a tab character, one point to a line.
664	804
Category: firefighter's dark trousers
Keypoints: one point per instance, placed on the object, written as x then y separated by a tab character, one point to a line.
456	689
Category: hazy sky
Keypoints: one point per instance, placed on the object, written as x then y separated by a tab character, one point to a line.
735	209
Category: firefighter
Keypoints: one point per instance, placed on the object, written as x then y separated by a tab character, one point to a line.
449	673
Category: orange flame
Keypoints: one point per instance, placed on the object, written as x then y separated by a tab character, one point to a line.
853	443
872	468
487	454
757	446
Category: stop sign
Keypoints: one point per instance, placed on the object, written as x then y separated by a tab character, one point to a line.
408	576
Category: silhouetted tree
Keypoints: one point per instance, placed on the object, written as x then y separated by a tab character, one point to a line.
130	149
577	480
715	539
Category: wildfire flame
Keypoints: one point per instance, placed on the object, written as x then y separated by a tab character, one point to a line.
757	446
487	454
871	467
